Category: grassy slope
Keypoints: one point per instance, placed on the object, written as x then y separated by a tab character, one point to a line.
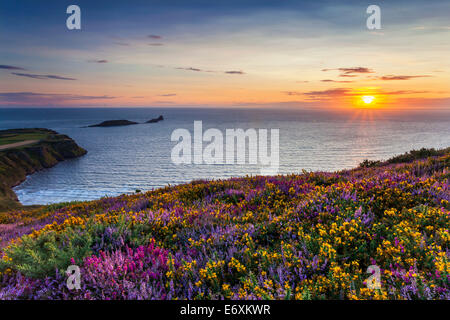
8	136
298	236
16	163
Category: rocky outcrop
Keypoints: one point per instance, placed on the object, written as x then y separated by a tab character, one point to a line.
160	118
113	123
117	123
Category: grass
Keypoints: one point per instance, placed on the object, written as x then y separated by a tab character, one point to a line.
14	138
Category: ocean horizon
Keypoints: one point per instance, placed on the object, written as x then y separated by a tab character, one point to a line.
129	158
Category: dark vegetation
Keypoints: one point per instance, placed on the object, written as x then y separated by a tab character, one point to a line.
406	157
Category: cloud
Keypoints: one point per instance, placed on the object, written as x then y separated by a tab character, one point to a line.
153	36
120	43
293	93
157	44
195	69
167	95
355	70
351	72
393	77
321	95
98	61
33	98
201	70
336	81
234	72
348	92
406	92
41	76
431	28
328	93
163	102
191	69
4	66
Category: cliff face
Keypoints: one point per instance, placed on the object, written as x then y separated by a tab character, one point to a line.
17	163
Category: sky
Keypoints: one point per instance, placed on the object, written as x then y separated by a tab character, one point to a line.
258	53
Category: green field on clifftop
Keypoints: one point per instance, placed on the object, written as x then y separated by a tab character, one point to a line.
13	136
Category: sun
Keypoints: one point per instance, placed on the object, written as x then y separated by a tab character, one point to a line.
368	99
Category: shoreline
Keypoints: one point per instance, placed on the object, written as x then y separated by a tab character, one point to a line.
23	158
401	158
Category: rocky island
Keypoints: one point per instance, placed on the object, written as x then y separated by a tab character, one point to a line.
118	123
25	151
113	123
160	118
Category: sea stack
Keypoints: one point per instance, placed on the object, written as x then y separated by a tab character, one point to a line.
160	118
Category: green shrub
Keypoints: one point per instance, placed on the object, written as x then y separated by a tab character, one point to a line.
418	154
369	163
39	257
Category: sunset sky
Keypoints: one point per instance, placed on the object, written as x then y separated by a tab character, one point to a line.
299	54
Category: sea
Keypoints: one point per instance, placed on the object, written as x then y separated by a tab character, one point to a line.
138	157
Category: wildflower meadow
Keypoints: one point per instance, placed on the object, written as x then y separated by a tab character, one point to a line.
301	236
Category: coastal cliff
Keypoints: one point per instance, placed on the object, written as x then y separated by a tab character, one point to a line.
32	150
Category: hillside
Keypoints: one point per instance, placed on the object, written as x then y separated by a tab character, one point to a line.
25	151
306	236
